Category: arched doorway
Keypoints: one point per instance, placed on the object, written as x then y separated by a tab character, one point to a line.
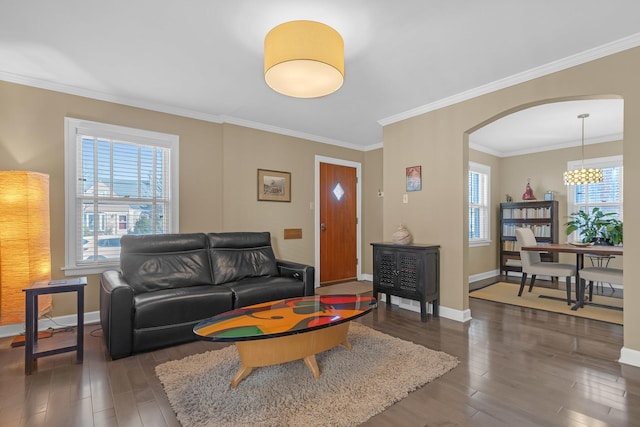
549	131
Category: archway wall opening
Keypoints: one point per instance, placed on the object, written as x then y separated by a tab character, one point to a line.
439	141
532	144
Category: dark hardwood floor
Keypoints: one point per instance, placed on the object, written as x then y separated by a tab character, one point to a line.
519	367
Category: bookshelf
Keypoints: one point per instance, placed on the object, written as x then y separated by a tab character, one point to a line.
540	216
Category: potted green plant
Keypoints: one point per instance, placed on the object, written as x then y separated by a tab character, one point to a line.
614	232
592	227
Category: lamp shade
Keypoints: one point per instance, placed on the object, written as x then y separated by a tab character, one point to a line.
25	254
304	59
583	176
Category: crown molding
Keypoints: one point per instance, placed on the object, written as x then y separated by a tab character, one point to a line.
540	149
373	147
534	73
289	132
102	96
212	118
571	61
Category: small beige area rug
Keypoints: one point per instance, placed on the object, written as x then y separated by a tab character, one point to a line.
353	385
354	287
507	293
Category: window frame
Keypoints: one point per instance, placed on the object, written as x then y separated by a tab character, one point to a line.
483	170
73	218
601	163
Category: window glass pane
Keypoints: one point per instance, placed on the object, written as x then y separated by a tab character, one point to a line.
474	191
125	170
606	196
474	223
120	186
86	172
103	184
479	218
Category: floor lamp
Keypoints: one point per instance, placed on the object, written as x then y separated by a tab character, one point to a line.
25	254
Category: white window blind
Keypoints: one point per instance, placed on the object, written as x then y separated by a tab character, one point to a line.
118	181
479	196
606	195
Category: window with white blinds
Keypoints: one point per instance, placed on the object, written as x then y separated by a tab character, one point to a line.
606	195
118	181
479	211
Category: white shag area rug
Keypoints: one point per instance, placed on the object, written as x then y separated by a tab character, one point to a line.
353	385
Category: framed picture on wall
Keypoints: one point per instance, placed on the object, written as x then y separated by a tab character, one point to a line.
414	178
274	186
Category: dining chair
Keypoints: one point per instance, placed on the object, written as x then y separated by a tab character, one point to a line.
598	274
599	261
533	265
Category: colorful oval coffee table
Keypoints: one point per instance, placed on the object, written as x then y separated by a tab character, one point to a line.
285	330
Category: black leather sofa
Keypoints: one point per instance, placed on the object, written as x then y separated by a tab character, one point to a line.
167	283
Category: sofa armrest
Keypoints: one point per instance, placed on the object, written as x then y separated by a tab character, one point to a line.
305	273
116	313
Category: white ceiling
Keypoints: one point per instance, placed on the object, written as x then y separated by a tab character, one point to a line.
203	59
550	127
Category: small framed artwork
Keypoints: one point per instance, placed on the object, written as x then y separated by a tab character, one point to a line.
274	186
414	178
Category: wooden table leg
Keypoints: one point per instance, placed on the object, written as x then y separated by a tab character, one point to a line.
312	364
274	351
242	373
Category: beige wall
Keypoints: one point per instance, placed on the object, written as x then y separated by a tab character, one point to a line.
438	140
245	151
218	171
32	138
372	206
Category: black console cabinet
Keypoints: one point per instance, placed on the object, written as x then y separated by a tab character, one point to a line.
408	271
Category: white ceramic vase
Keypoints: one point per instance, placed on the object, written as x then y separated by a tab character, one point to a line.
401	236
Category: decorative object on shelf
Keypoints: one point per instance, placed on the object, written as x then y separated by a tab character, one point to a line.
304	59
596	227
274	186
549	195
508	197
582	175
401	236
528	192
25	253
414	178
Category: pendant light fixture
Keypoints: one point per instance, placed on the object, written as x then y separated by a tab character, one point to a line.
582	175
304	59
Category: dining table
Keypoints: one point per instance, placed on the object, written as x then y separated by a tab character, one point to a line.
580	249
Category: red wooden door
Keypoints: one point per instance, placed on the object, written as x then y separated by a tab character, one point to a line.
338	223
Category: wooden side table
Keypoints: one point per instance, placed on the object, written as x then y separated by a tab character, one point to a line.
34	348
408	271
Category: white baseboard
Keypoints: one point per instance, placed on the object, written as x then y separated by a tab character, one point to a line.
367	277
59	322
412	305
629	357
483	276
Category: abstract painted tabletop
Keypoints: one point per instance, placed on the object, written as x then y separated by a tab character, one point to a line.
284	317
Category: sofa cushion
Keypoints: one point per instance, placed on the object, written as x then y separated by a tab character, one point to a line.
257	290
235	256
182	305
165	261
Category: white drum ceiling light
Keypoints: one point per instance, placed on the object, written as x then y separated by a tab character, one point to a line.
304	59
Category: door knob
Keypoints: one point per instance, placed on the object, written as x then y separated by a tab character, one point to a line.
323	227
